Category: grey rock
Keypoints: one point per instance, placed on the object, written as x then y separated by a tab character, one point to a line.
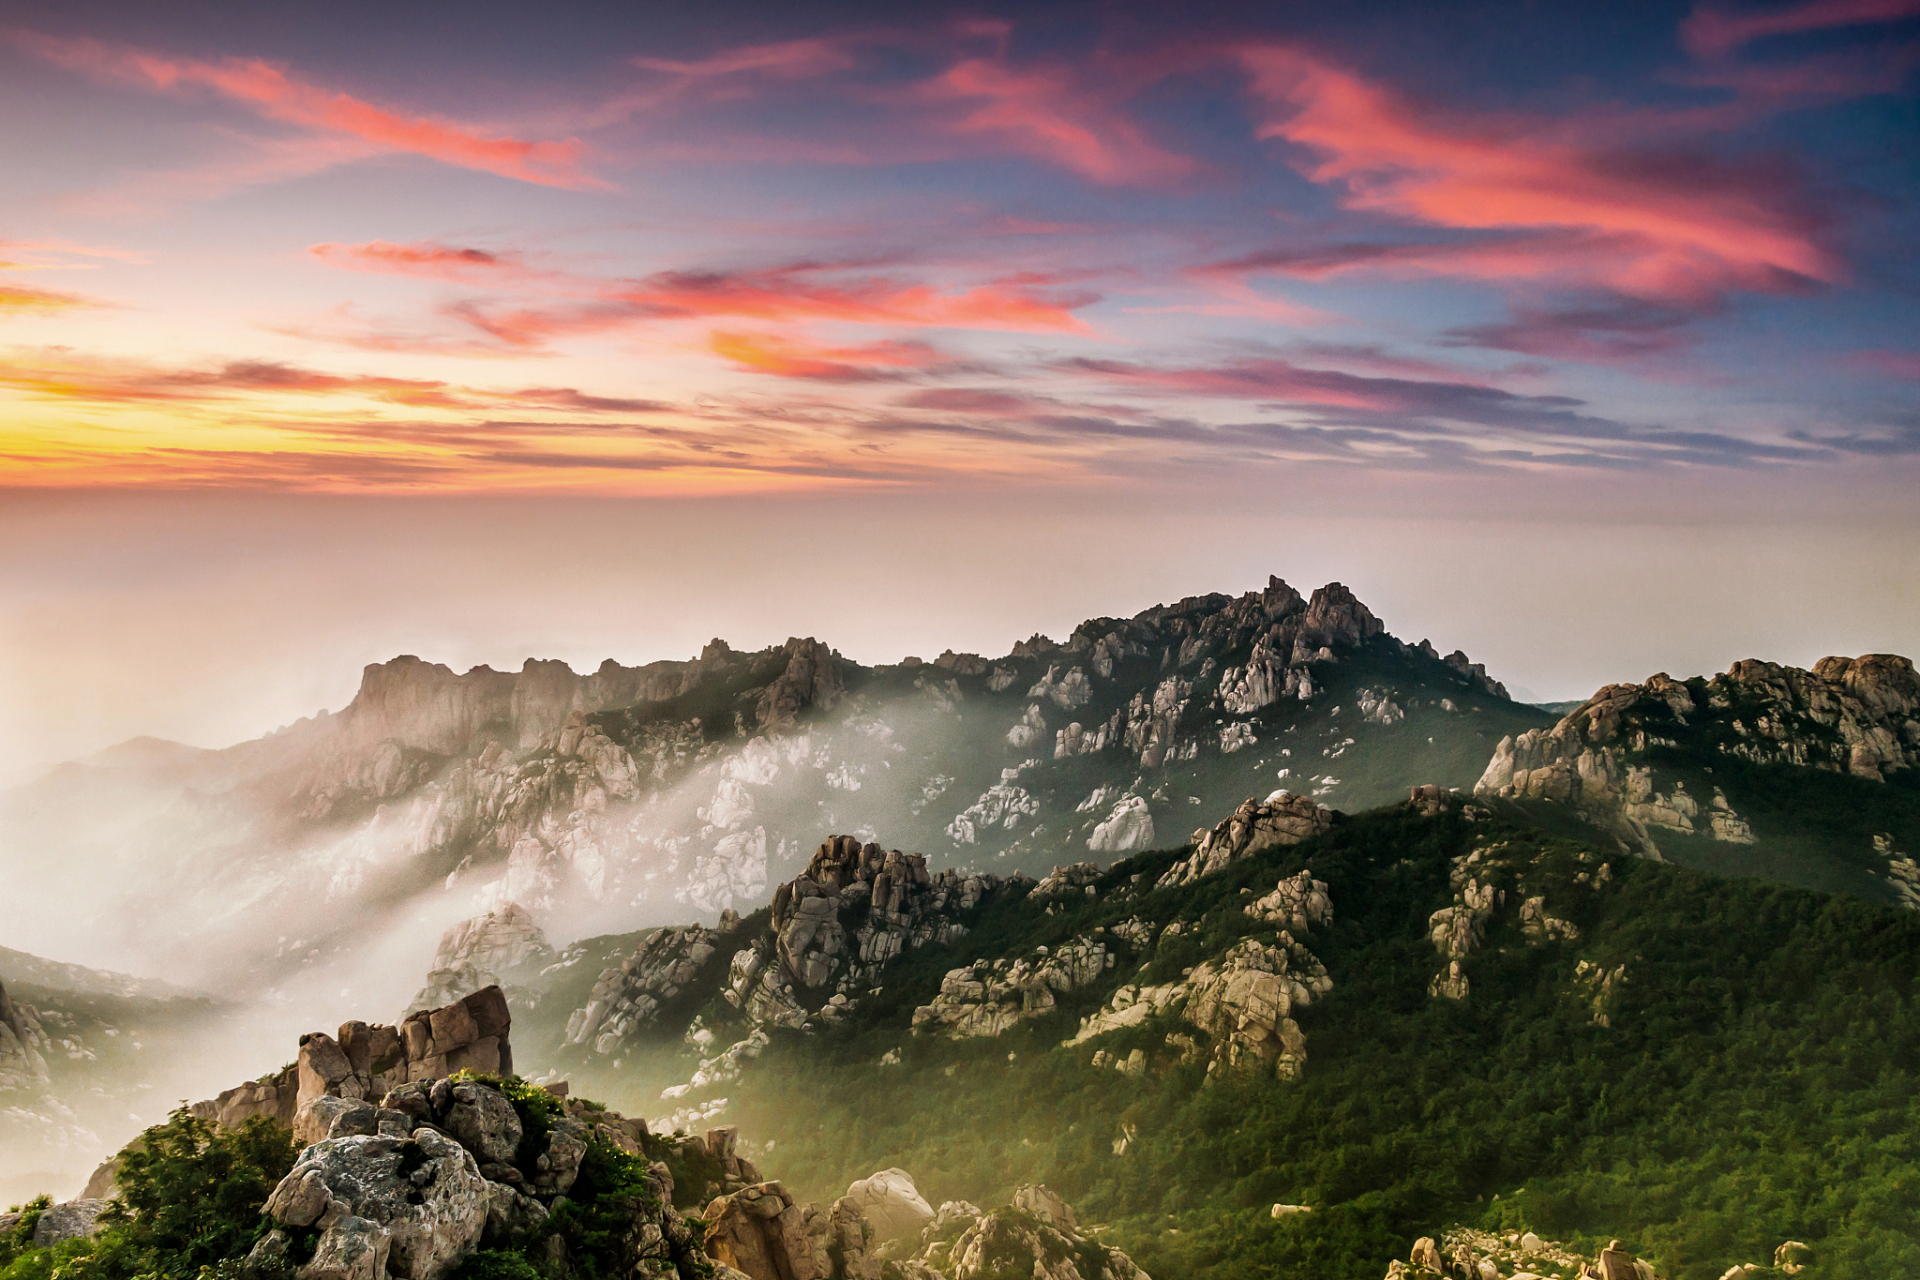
69	1221
484	1122
421	1199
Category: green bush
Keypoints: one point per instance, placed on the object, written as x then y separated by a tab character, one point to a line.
495	1264
190	1198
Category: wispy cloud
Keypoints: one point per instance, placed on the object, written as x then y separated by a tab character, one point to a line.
277	93
792	358
1660	225
19	298
1071	116
1713	31
555	303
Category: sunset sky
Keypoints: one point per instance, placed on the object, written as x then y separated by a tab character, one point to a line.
1588	331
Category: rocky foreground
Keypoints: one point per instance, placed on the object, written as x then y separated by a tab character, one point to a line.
408	1172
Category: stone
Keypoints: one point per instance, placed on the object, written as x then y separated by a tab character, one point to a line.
1046	1206
23	1048
484	1122
892	1203
1296	904
1036	1235
70	1221
327	1116
1852	715
352	1248
760	1231
1615	1263
511	1215
422	1199
1128	829
559	1164
987	998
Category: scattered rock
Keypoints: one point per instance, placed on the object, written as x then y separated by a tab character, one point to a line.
1282	818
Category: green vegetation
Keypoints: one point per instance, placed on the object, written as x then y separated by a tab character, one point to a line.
189	1200
1755	1084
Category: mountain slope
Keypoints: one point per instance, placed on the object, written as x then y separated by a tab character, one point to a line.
1805	777
636	795
82	1054
1611	1046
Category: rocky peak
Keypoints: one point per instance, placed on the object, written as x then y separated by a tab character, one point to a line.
1336	616
835	929
476	953
813	678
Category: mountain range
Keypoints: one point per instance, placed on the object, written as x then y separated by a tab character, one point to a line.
1422	961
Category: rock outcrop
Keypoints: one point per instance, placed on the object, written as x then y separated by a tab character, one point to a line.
69	1221
1243	1000
409	1206
988	997
1282	818
1852	715
1490	879
482	952
892	1204
1128	829
23	1049
835	928
1037	1234
276	1096
1481	1255
628	999
406	1184
366	1061
764	1234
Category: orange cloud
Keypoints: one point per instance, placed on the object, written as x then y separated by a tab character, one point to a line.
19	298
1713	32
277	94
117	382
789	358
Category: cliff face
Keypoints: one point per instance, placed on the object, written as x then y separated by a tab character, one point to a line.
1640	759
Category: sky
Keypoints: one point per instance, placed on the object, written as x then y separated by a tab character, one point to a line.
1583	337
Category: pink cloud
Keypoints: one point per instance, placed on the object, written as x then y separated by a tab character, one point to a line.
1678	228
969	400
1713	32
277	94
425	259
1055	114
803	291
1904	365
786	59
